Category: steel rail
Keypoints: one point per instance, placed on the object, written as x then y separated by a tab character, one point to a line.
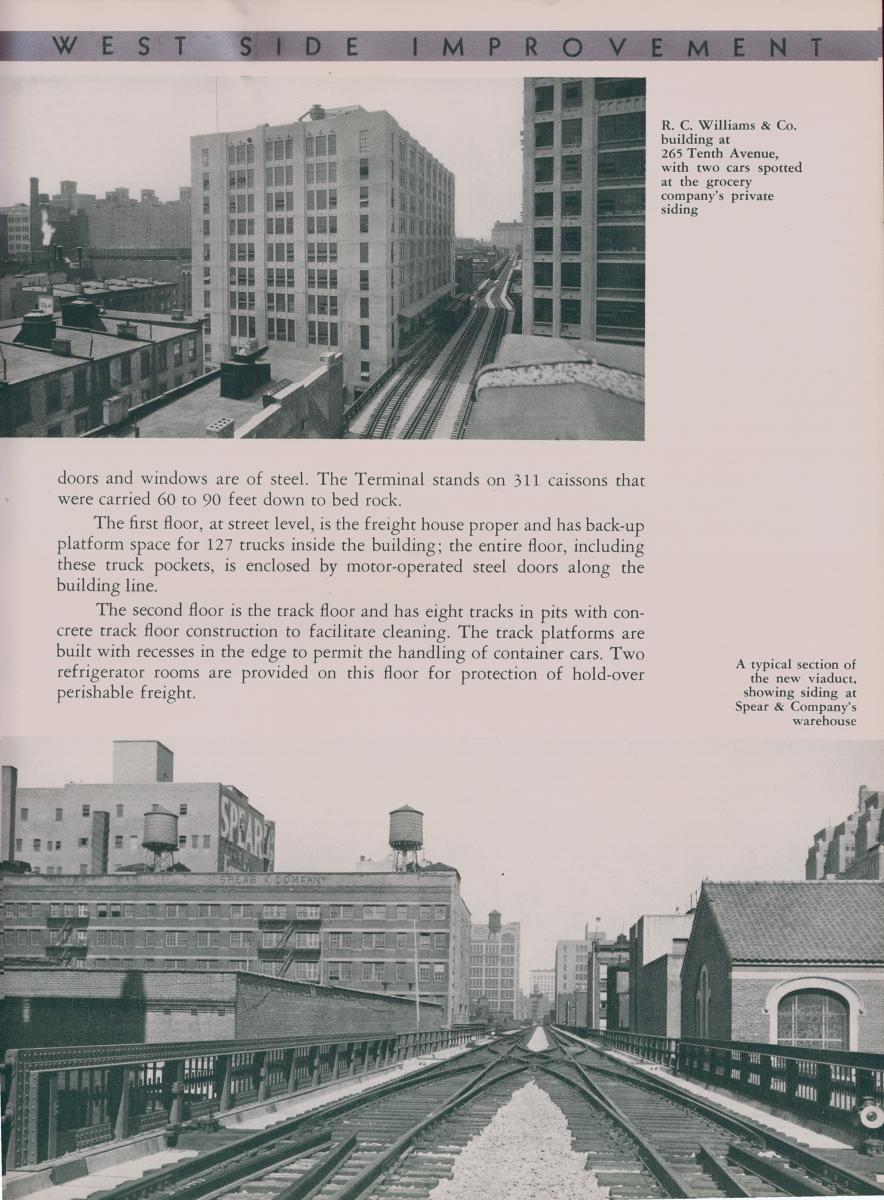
206	1173
669	1180
818	1166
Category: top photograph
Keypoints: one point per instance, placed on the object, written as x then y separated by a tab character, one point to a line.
321	259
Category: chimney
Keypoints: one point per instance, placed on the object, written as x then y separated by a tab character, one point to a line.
37	329
35	215
8	784
222	428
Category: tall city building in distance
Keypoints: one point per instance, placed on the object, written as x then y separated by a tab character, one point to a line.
584	209
335	231
494	968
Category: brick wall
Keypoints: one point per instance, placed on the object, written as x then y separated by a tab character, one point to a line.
751	986
659	1009
706	947
277	1008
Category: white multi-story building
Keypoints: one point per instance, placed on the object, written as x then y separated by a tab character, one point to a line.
335	231
494	968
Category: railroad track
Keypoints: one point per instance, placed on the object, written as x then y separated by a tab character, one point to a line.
685	1145
384	419
337	1150
642	1137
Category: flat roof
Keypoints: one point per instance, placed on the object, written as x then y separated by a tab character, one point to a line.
29	362
188	415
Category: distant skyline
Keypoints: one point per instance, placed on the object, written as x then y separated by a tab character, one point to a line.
553	834
135	132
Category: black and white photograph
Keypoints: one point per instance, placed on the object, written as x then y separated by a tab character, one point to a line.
341	259
352	980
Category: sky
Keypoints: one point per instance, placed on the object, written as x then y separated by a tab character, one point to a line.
554	834
128	131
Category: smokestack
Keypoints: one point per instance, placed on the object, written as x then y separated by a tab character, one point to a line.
36	216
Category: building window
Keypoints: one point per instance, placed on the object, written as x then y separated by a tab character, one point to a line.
572	168
59	814
543	204
363	222
813	1017
543	311
119	810
572	131
363	281
363	168
364	371
570	312
543	240
53	394
543	134
702	1001
572	204
572	93
543	170
340	912
274	912
570	275
543	274
571	239
364	337
544	97
374	912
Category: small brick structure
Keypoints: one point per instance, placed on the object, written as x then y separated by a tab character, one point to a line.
53	1007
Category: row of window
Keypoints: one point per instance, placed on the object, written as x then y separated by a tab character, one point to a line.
569	313
381	972
570	204
352	939
570	168
570	239
570	131
571	95
216	911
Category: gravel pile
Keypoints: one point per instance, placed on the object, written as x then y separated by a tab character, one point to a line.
538	1040
524	1153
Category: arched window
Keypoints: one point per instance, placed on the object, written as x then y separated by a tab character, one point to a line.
813	1017
702	1003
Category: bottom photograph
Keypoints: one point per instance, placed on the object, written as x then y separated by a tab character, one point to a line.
458	968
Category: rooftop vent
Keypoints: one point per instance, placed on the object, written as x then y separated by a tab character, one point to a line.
82	314
61	345
177	314
37	329
126	329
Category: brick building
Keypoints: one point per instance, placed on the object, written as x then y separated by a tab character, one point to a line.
790	963
494	967
100	1007
602	955
127	295
68	375
584	209
401	933
852	849
657	944
335	231
96	828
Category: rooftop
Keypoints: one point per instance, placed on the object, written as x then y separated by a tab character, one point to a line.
29	362
800	921
188	415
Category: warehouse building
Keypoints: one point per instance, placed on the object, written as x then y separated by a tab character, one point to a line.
335	231
400	931
97	828
584	209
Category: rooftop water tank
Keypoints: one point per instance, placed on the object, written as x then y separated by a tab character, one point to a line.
160	831
406	828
